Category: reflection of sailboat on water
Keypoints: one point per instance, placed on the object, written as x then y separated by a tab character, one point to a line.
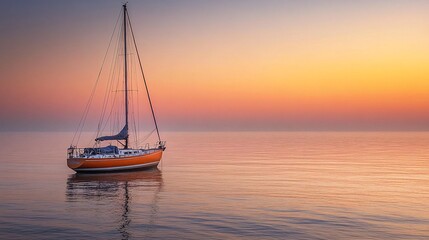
117	187
121	153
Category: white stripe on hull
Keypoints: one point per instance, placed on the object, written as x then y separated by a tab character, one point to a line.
116	168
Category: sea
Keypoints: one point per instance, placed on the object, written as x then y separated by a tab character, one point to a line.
223	185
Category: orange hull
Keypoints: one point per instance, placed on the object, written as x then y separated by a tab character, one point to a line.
114	164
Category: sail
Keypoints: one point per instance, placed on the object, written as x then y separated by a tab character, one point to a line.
122	135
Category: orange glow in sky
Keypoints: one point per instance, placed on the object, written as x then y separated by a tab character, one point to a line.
222	65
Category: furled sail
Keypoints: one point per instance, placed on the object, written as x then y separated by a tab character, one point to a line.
122	135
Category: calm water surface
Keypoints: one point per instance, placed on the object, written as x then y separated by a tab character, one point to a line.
260	185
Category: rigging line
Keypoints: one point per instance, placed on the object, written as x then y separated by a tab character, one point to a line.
117	67
138	105
144	79
126	75
146	137
96	134
113	104
132	99
132	95
105	58
108	88
85	113
135	126
114	123
134	122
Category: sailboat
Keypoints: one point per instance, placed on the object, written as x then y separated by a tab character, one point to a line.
109	158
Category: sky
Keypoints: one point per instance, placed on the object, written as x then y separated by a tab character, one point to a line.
224	65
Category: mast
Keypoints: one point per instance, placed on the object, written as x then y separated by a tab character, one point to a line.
125	73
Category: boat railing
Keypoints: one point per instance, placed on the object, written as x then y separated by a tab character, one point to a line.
146	146
75	152
159	144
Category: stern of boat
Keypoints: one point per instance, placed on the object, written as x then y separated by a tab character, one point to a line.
75	163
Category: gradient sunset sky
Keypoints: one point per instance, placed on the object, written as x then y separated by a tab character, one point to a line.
225	64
